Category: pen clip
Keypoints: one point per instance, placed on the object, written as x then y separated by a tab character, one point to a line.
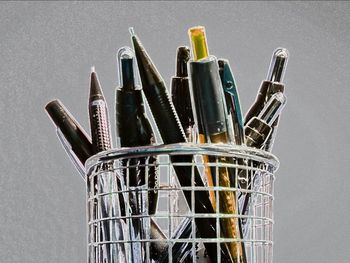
229	85
76	162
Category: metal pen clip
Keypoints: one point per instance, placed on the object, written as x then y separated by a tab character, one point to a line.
230	87
76	162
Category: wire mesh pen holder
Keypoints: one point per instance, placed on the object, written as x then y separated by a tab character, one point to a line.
157	204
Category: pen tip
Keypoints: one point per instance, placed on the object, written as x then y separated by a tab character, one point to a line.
183	56
93	69
132	32
95	87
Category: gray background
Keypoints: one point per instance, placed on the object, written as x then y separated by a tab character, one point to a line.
47	50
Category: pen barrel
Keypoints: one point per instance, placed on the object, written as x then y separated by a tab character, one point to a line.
99	122
207	97
210	108
266	90
256	133
81	146
132	125
164	113
133	130
74	134
181	98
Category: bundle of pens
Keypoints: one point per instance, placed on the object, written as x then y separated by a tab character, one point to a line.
211	157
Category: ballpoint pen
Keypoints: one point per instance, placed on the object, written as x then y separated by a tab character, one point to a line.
76	141
211	118
273	84
133	127
98	113
200	51
257	132
171	132
232	101
133	130
102	141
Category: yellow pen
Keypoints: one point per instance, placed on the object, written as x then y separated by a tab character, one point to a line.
211	114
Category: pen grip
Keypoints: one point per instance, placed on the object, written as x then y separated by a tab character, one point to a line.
181	99
164	114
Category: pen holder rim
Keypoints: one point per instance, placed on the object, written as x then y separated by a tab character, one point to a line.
228	150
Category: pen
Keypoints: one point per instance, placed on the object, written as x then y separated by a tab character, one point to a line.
180	92
273	84
133	130
232	100
171	132
102	141
211	115
98	113
75	136
132	125
257	132
200	51
258	129
74	139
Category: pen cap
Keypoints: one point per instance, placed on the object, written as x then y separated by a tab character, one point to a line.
278	65
256	132
128	78
70	128
208	97
266	90
273	108
198	42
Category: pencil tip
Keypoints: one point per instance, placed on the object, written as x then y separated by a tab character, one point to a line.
132	32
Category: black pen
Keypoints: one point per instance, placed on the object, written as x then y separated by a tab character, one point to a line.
68	128
132	125
171	131
273	84
180	92
133	130
257	132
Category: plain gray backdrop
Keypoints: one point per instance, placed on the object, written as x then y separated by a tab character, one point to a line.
47	50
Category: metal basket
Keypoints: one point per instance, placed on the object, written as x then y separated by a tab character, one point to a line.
126	225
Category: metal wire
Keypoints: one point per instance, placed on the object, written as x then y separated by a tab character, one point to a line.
122	228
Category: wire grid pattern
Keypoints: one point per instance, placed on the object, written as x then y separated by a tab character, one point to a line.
122	228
